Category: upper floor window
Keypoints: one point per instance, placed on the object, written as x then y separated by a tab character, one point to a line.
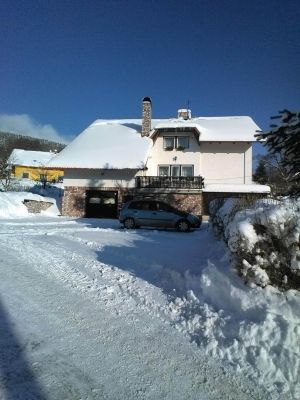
176	142
176	170
169	142
182	142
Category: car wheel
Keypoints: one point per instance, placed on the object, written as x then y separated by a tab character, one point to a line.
183	225
129	223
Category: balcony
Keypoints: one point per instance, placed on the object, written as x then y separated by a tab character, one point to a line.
169	182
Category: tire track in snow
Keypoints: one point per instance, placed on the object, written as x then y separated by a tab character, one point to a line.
51	254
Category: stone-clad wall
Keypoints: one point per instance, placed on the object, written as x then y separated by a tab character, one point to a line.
35	207
75	197
190	202
73	203
74	200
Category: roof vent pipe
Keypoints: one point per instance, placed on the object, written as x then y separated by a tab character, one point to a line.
147	111
184	113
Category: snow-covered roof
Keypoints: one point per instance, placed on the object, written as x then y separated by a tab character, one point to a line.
106	144
118	143
30	158
232	188
214	129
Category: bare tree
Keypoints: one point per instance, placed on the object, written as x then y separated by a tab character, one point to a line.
271	171
6	175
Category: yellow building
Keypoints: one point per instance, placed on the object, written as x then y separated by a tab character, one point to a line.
27	164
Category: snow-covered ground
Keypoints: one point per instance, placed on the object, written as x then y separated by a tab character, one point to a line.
92	311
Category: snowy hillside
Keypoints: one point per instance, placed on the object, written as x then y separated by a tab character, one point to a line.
94	311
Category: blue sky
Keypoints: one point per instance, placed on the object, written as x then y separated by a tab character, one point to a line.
67	63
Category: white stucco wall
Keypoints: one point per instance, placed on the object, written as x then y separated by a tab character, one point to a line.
159	156
226	162
217	162
99	178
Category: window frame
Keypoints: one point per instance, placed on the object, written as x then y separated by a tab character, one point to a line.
182	146
175	140
175	166
187	166
163	166
169	147
169	166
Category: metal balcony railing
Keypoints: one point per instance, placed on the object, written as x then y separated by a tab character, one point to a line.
169	182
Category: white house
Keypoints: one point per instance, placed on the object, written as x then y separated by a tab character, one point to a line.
114	160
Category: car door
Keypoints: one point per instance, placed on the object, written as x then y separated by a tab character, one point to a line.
147	213
139	210
166	215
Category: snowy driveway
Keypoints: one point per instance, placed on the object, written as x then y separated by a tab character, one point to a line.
86	313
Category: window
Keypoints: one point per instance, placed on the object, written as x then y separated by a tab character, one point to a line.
109	200
25	175
94	200
187	170
165	207
178	142
176	170
163	170
153	206
169	142
139	205
182	142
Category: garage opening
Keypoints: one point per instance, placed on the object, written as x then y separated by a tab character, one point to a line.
101	204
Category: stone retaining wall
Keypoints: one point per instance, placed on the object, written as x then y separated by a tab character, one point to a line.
35	207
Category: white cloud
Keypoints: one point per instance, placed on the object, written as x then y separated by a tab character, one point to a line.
27	126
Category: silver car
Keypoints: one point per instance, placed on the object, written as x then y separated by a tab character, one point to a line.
156	213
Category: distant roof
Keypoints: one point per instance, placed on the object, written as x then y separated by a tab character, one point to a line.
214	129
30	158
106	144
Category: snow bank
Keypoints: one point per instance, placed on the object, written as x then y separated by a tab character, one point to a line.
12	204
264	240
255	330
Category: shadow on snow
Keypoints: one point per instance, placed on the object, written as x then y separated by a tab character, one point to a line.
17	378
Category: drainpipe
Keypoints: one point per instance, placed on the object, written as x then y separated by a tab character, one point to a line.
244	167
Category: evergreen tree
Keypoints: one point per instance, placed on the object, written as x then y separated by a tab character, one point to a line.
284	140
260	174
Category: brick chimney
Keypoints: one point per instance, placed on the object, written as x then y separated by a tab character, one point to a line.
146	124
